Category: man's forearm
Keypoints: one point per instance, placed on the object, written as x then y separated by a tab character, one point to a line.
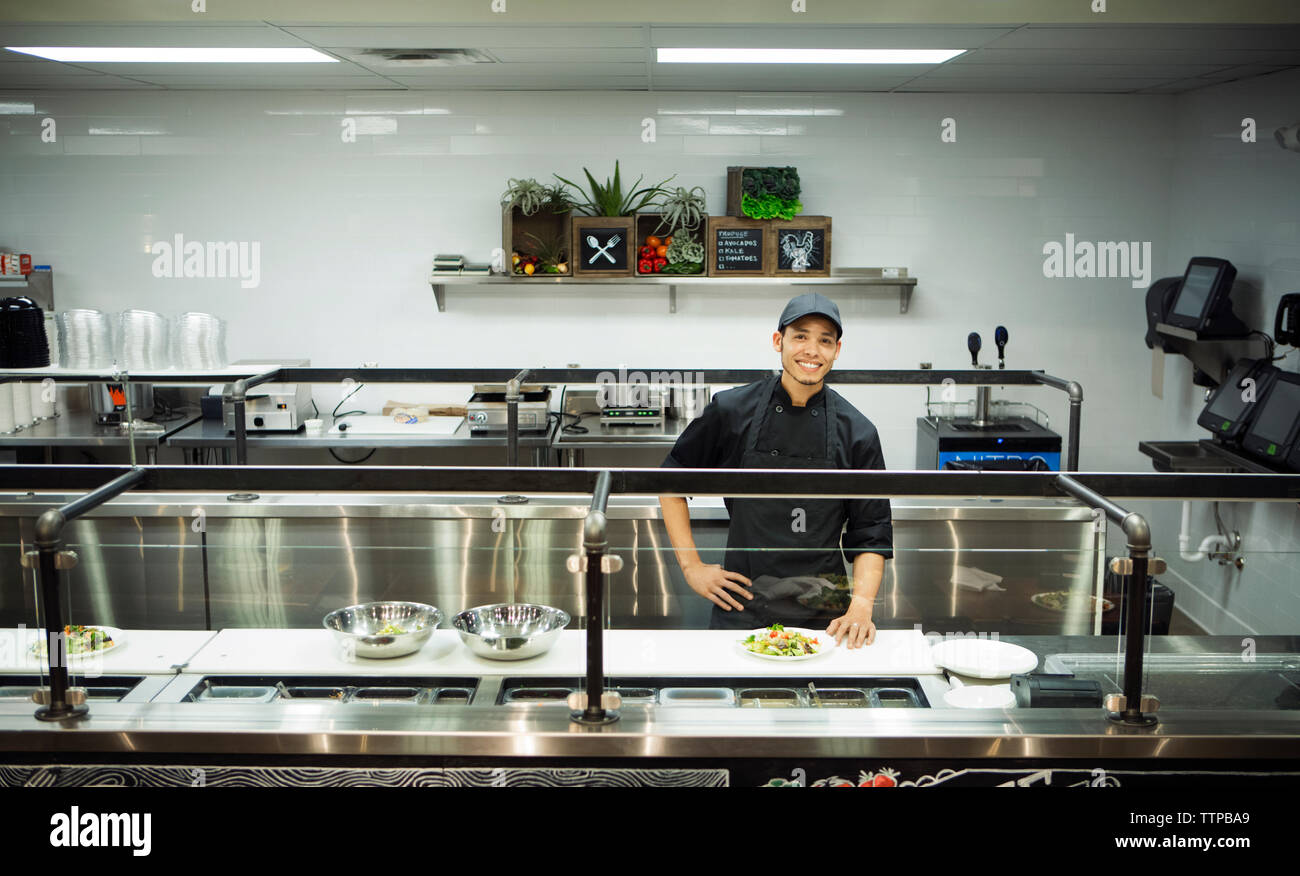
677	520
868	570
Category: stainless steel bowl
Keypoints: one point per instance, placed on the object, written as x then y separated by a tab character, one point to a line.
510	632
360	626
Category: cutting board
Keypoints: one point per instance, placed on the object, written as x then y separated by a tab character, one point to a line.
375	424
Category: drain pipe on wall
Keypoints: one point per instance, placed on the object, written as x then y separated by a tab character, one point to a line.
1209	544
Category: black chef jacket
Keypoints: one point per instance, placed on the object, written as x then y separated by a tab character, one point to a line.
720	436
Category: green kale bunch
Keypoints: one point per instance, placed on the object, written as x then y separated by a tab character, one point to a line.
770	192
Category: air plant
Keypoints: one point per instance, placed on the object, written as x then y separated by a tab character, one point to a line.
682	210
558	198
526	194
610	199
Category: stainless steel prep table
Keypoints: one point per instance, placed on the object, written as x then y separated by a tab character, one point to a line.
212	434
79	429
572	447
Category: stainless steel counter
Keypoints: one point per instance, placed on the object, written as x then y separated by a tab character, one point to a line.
485	729
213	434
79	429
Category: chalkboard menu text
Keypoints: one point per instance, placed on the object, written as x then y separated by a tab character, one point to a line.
738	246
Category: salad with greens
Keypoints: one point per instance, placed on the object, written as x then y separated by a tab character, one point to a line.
777	641
79	639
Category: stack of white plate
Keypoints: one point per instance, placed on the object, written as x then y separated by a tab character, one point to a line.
85	339
198	342
143	341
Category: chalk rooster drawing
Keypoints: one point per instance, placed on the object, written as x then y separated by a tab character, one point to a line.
798	249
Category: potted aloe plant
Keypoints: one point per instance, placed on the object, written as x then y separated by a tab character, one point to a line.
604	236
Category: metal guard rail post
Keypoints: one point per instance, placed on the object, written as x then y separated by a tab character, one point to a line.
49	541
594	543
1139	551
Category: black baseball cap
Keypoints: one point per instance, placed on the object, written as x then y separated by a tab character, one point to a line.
808	304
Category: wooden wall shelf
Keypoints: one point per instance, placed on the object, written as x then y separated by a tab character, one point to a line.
869	279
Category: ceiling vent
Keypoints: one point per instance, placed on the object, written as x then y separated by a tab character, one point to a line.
399	58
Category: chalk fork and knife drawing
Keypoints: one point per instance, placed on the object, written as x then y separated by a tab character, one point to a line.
602	250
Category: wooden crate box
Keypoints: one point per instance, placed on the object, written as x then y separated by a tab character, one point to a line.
800	247
515	228
648	224
603	246
738	247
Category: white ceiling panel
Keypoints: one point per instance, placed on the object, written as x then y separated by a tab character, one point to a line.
1217	37
775	82
519	72
1242	72
287	80
146	71
253	35
48	83
555	82
552	55
40	68
1075	71
825	37
1022	86
1219	57
1050	58
472	37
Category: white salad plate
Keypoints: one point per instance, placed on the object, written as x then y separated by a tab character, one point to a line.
825	641
983	658
37	648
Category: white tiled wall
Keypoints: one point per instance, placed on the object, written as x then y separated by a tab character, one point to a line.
348	230
1236	201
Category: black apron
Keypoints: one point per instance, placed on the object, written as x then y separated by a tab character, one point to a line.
764	546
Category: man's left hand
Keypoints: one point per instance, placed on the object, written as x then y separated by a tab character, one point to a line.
855	626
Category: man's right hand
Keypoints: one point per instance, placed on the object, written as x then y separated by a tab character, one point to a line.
713	582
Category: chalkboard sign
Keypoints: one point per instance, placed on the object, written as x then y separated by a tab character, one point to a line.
802	247
603	244
738	247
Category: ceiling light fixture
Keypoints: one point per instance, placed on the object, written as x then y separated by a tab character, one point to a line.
174	55
806	56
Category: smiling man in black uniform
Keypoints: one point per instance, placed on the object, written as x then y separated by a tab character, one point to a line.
776	547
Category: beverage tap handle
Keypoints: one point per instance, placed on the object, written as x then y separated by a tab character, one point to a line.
1000	337
973	344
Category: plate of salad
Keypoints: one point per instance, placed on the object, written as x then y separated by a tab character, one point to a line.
786	644
1062	600
82	641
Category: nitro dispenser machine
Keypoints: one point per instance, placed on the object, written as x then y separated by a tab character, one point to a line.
985	440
